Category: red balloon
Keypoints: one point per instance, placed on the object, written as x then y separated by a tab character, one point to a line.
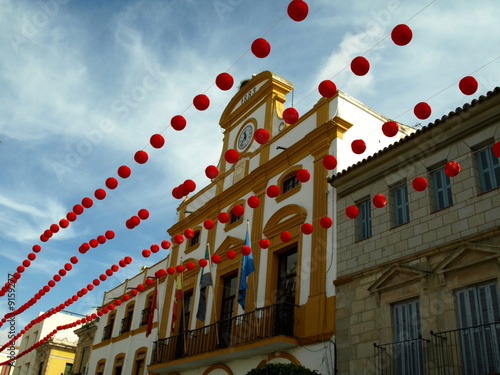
452	168
390	128
73	260
124	171
238	210
327	88
190	185
111	183
141	157
379	201
146	253
273	191
496	149
285	236
178	239
189	233
211	172
468	85
224	81
143	214
297	10
303	175
419	183
360	66
422	110
291	116
202	262
179	268
223	217
71	216
253	201
170	270
330	162
216	258
231	156
87	202
246	250
326	222
54	228
201	102
208	224
157	140
352	212
358	146
100	194
63	223
178	122
261	48
109	234
261	136
101	239
165	244
307	228
231	254
401	35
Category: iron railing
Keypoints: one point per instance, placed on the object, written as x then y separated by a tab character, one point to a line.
106	334
126	324
259	324
409	357
144	317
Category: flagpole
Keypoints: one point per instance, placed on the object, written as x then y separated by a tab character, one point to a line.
214	307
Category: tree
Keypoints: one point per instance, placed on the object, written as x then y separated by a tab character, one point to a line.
282	369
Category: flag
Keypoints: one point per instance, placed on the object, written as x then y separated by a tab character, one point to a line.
247	268
152	309
178	296
205	282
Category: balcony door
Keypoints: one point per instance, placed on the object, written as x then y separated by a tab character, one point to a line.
227	309
184	324
285	297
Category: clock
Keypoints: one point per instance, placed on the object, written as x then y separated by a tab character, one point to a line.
245	137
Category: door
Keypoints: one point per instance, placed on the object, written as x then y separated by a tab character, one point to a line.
227	309
285	297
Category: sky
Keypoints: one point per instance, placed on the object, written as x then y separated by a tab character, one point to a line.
84	85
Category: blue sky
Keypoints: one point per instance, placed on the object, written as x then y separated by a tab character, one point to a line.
85	84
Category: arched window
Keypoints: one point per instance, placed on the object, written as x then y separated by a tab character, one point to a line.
108	329
288	183
127	320
145	311
139	362
100	367
118	364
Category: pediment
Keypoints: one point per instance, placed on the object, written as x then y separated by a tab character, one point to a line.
229	243
285	218
468	255
396	276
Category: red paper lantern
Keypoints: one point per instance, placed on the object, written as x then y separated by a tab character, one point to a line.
122	263
100	194
146	253
390	128
54	228
160	273
401	35
111	183
211	172
208	224
246	250
103	277
379	201
101	239
124	171
216	258
140	287
422	110
178	122
452	168
190	185
285	236
496	149
330	162
327	88
149	281
31	256
109	234
114	267
48	233
73	260
20	269
93	243
224	81
143	214
231	156
307	228
165	244
71	216
190	266
179	268
358	146
261	48
26	263
157	140
360	66
273	191
128	259
63	223
468	85
202	262
297	10
189	233
37	248
291	116
57	278
223	217
419	183
326	222
96	282
62	272
201	102
87	202
135	220
170	270
51	283
261	136
303	175
178	239
176	193
231	254
352	212
141	157
85	246
238	210
109	272
253	201
154	248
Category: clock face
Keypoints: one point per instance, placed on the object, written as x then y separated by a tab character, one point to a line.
245	137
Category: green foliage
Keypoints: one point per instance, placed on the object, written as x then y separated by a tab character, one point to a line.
282	369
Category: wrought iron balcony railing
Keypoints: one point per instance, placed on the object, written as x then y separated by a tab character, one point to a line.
404	357
126	324
144	317
106	334
262	323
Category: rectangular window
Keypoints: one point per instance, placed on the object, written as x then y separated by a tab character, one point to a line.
290	182
364	219
196	238
442	189
489	169
408	349
401	210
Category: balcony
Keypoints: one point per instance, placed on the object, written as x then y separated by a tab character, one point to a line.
106	334
269	328
144	317
126	324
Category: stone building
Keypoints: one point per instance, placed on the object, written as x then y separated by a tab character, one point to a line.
86	335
